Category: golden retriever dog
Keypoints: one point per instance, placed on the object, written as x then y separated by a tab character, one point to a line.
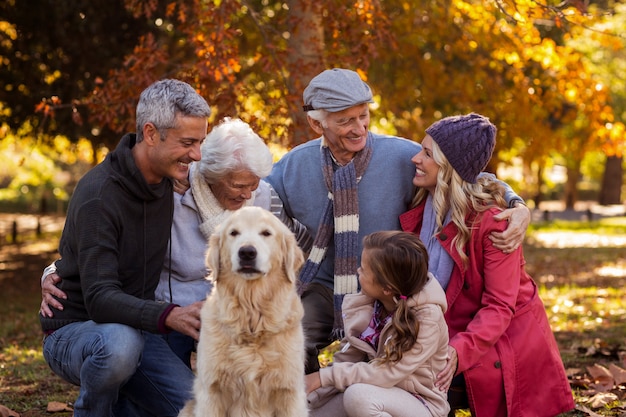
251	351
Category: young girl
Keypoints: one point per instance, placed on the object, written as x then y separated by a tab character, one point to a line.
396	337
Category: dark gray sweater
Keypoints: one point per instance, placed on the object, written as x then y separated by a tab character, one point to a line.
113	245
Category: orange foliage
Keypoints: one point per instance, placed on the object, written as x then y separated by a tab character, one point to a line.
424	60
491	58
238	56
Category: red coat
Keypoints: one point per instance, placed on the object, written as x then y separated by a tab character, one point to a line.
499	327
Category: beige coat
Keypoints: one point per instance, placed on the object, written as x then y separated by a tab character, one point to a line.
416	371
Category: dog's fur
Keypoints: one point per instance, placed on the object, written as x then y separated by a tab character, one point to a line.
251	351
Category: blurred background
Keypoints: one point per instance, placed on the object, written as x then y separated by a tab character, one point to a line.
551	75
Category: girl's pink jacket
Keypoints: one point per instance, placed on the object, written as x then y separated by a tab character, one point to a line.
498	326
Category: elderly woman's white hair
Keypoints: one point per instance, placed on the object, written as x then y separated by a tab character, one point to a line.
233	146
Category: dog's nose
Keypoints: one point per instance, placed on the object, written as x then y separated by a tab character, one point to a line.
247	253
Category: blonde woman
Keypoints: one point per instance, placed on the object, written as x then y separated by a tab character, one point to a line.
500	338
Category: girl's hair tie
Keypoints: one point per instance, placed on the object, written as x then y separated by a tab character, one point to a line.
403	297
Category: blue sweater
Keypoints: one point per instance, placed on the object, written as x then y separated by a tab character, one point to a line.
385	190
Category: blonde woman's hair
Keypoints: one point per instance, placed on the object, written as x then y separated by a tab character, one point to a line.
460	198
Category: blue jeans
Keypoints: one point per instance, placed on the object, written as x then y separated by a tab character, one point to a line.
182	345
121	371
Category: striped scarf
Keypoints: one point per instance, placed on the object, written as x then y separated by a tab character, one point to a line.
341	221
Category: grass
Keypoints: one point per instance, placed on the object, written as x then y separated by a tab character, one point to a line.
612	226
26	383
579	266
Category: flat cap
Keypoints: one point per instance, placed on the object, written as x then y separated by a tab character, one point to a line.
335	90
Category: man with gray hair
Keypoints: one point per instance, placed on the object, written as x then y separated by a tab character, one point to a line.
104	337
342	186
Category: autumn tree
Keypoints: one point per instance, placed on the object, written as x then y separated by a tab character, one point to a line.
424	60
492	58
460	56
603	46
52	55
250	59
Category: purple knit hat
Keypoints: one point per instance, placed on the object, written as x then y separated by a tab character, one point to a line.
466	141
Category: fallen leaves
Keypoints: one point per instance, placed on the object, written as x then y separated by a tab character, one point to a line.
57	407
53	407
6	412
600	387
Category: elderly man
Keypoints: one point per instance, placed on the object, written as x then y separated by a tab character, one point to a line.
344	185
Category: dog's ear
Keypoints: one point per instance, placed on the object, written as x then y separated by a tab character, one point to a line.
213	253
294	258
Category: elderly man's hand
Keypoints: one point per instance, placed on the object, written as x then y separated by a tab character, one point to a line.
513	237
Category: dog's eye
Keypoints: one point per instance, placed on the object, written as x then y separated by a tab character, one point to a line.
234	232
266	233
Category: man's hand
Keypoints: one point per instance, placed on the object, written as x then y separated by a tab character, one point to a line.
312	382
513	237
49	291
185	320
444	378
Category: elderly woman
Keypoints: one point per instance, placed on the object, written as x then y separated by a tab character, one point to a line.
228	177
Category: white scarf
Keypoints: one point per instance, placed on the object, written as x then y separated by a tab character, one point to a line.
211	211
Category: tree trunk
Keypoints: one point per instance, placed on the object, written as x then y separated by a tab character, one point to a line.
538	196
571	189
611	191
305	60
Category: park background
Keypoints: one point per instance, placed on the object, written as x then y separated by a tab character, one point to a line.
550	74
